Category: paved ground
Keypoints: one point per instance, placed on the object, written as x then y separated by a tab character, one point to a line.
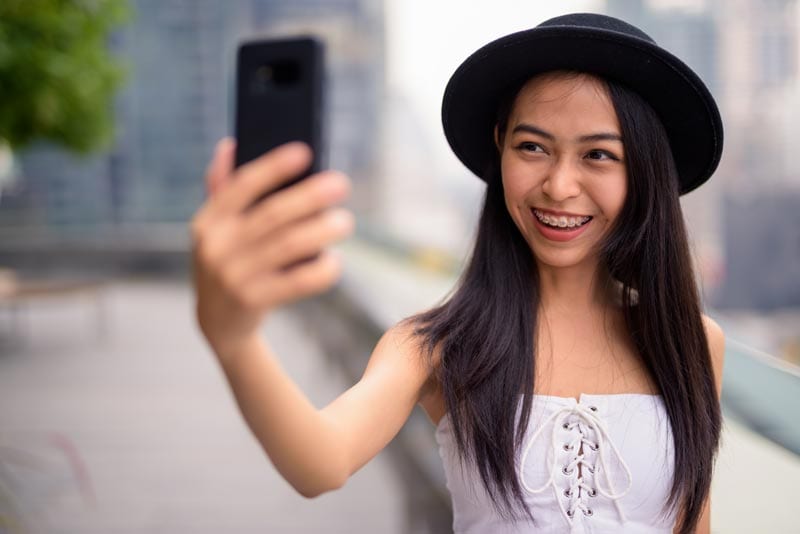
136	431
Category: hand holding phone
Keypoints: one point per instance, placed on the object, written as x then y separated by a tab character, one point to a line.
258	243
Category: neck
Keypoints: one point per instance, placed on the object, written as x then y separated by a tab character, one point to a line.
574	290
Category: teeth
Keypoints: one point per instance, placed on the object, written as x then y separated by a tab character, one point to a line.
561	221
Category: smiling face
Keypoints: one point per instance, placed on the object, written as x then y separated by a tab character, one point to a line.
563	167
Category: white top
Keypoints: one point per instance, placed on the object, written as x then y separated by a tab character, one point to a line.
601	464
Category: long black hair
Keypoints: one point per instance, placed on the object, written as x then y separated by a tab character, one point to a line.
485	331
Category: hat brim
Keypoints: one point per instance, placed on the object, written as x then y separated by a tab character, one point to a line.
678	96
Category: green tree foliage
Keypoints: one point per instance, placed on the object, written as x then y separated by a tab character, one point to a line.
57	75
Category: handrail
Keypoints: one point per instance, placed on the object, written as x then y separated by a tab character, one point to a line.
763	392
764	357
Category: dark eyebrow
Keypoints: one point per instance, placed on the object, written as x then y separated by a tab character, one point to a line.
602	136
530	128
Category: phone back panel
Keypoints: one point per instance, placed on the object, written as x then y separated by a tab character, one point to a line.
279	97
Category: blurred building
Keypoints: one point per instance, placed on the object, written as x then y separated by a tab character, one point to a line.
177	103
748	53
764	273
759	73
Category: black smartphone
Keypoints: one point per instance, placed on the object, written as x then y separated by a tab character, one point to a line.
279	98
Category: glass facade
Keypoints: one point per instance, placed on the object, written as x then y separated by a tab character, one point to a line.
178	102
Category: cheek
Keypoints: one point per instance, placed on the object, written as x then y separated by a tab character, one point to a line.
612	197
516	182
514	191
514	194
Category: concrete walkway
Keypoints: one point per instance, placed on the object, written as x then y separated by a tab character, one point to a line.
134	430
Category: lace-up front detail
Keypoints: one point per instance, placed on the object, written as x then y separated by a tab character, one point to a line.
600	464
579	468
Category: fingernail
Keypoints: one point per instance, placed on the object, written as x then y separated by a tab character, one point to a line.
336	183
222	144
298	148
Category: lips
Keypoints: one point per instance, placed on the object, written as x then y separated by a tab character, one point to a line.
543	221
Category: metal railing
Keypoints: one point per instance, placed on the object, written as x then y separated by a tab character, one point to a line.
763	392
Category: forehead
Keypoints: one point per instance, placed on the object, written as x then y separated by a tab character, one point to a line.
561	95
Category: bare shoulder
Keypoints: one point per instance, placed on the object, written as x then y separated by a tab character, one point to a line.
399	349
398	341
716	347
716	338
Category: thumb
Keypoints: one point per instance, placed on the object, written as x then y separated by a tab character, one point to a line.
221	166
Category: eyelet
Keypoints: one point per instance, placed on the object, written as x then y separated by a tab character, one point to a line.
566	471
567	493
588	511
570	513
592	492
594	446
593	408
565	426
590	468
568	447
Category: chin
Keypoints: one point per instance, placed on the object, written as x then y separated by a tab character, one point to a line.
563	259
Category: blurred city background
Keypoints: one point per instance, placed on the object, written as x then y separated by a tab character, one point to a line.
113	414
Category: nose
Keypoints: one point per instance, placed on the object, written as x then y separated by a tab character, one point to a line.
563	181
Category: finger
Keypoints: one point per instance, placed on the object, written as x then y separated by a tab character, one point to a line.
218	171
232	237
221	165
294	203
263	174
308	278
295	243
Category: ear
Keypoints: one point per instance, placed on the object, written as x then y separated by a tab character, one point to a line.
497	140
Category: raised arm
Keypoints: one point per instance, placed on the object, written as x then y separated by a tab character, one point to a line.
317	450
244	266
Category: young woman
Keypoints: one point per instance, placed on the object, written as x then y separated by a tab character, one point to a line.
572	377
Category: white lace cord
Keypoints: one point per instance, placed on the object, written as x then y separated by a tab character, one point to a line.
558	417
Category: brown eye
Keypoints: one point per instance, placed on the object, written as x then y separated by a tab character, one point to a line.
600	155
528	146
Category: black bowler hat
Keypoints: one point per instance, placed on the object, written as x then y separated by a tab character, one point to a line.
596	44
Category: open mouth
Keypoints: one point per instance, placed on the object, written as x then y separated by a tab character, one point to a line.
560	222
